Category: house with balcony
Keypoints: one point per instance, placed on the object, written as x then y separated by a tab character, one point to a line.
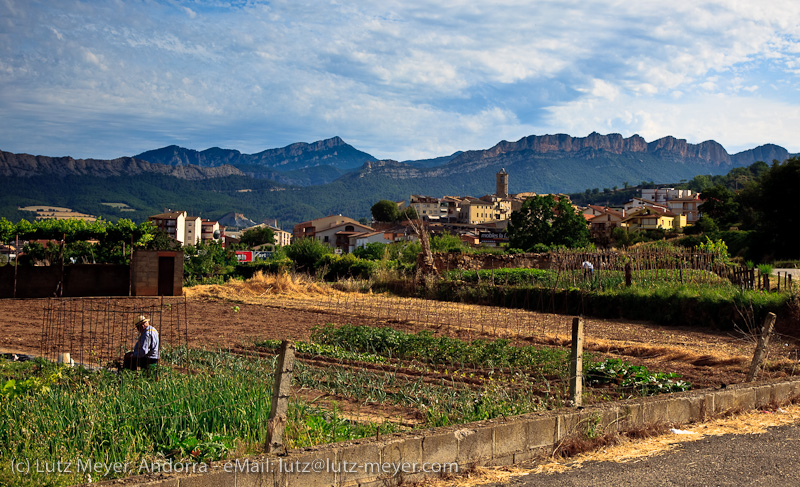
661	196
603	220
678	201
173	223
310	228
475	211
428	208
334	231
637	203
282	237
689	207
209	230
653	218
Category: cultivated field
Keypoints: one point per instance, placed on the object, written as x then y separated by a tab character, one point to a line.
236	315
368	364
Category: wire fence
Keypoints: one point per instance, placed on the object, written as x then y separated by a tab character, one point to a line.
98	331
666	265
516	320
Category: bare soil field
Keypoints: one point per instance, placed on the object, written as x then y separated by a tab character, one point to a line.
706	358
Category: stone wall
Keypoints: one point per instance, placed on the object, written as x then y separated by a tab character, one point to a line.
452	260
501	441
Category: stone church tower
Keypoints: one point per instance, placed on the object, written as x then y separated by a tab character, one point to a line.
502	184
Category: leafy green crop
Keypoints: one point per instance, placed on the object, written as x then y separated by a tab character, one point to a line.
196	446
442	350
634	377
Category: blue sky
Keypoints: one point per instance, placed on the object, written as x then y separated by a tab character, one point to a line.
398	79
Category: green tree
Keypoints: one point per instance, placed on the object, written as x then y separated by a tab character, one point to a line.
543	220
768	207
307	253
446	242
721	205
385	211
7	230
207	260
258	236
162	241
371	251
408	213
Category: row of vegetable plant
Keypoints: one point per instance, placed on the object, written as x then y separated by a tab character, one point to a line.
199	406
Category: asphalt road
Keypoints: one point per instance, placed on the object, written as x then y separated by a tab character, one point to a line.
769	459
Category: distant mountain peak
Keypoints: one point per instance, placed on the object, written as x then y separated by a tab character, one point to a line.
26	165
333	152
709	151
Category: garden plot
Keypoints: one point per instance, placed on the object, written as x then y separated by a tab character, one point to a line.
207	405
404	363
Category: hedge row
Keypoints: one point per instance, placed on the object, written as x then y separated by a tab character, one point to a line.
677	305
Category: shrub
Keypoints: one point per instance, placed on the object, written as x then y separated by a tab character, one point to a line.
371	251
307	253
347	266
446	243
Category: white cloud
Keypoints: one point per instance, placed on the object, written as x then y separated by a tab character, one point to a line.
736	122
403	78
191	13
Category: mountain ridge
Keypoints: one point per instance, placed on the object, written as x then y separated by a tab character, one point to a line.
541	164
27	165
299	155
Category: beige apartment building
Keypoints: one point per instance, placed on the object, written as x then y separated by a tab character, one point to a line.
428	208
173	223
193	233
210	228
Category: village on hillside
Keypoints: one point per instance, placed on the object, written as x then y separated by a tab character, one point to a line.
477	221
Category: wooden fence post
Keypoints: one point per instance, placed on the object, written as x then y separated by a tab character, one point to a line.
761	348
16	260
576	364
280	398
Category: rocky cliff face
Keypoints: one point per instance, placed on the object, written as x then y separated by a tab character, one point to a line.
392	169
766	153
26	165
563	163
709	151
333	152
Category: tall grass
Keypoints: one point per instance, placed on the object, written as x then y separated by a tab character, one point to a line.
203	399
260	285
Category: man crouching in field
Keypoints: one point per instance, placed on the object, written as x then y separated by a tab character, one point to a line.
145	353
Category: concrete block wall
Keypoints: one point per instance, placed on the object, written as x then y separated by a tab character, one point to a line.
144	274
494	442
